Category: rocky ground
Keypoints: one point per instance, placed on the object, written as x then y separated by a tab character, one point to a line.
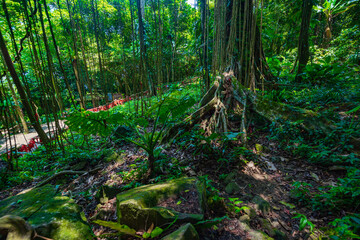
262	185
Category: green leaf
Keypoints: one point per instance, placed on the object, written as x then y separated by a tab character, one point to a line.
116	226
210	223
353	110
303	222
287	204
146	235
156	232
357	220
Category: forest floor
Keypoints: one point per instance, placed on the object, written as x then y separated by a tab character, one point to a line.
269	176
20	138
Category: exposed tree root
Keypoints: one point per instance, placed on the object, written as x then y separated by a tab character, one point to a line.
65	173
223	97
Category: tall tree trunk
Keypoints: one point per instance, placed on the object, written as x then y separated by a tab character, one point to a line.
55	84
86	68
303	47
74	61
95	18
204	40
143	59
58	56
17	105
44	138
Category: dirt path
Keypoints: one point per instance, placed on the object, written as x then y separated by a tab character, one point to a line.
21	138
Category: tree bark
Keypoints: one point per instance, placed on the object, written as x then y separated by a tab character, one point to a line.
44	138
74	61
143	59
303	47
55	84
204	41
98	47
58	55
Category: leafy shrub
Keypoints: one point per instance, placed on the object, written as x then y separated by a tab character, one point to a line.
342	196
300	192
163	112
346	228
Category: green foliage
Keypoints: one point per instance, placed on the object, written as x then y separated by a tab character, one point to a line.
332	8
317	146
160	115
92	123
342	196
40	163
234	206
346	228
300	192
210	222
122	229
304	222
215	146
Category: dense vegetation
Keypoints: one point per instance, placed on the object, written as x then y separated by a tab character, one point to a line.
203	89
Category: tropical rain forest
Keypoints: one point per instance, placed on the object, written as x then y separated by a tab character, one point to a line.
179	119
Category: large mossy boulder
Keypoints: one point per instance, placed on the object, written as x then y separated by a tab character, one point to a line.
50	214
185	232
138	208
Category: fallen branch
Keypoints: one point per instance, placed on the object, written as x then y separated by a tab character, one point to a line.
66	172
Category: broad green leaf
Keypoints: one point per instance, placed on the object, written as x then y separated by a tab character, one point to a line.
156	232
116	226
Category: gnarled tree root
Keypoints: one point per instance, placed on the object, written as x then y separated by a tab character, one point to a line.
222	97
67	172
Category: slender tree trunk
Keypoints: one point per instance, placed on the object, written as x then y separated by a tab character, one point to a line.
204	40
143	59
44	138
173	45
86	68
17	106
74	61
95	18
55	84
58	56
135	86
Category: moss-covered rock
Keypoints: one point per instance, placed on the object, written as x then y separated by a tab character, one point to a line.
232	188
261	204
112	156
185	232
230	177
279	235
51	215
250	212
137	208
266	225
245	218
